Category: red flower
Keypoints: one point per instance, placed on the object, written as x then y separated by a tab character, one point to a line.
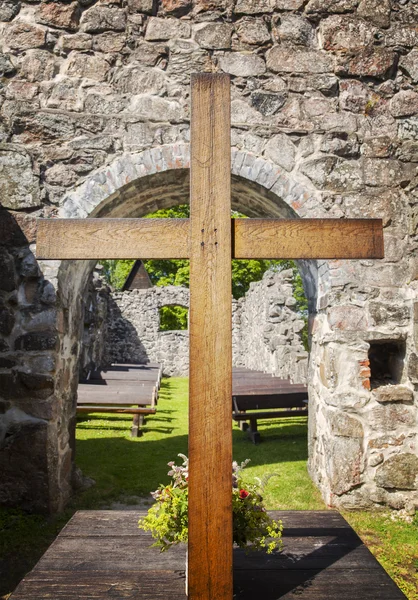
243	494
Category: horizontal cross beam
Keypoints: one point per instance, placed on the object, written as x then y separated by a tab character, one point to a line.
170	238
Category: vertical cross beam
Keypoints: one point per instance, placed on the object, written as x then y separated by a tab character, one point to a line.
210	432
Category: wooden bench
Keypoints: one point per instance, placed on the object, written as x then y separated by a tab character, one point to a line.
257	395
131	389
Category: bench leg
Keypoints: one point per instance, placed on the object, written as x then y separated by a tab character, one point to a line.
253	432
136	426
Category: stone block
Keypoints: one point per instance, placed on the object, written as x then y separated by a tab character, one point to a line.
23	36
344	464
324	7
141	6
347	318
413	368
38	65
343	33
341	144
77	41
268	104
166	29
386	441
9	9
251	30
344	425
62	16
383	314
19	188
154	108
370	62
409	64
404	104
6	66
382	172
242	113
60	174
253	7
334	174
109	42
398	472
213	36
281	150
150	54
7	320
282	59
375	11
134	79
289	4
101	18
355	96
390	416
177	8
294	29
242	65
86	65
407	151
37	341
402	35
393	393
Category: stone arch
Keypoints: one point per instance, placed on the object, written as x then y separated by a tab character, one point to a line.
133	186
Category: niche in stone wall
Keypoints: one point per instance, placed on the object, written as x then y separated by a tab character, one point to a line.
387	358
173	317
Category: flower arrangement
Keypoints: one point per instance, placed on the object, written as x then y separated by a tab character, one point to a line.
253	528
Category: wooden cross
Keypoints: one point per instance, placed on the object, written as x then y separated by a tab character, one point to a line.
210	239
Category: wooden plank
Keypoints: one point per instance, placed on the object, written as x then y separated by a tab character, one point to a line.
308	238
112	238
210	432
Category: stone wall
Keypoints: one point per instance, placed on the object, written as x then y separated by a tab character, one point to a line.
265	329
133	329
95	122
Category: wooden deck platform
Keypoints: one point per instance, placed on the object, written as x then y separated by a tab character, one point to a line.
103	554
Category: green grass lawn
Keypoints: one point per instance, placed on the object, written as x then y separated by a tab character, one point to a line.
126	469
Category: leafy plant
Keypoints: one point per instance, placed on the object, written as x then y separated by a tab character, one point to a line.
253	528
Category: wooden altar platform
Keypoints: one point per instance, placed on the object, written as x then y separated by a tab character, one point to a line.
103	554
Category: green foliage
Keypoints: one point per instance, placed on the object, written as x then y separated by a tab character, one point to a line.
173	318
167	519
116	271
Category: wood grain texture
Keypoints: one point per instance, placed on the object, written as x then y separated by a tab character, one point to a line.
103	554
210	433
112	238
308	238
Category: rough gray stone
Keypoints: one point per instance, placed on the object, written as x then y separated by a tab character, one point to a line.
268	104
383	313
23	36
346	464
402	35
321	7
404	104
19	188
289	4
109	42
253	7
78	41
344	33
370	62
347	318
6	66
345	425
60	175
141	6
38	65
62	16
134	79
86	65
375	11
101	18
409	64
355	96
9	9
341	144
334	174
398	472
150	54
282	151
252	30
242	65
166	29
153	108
394	393
213	36
295	29
292	60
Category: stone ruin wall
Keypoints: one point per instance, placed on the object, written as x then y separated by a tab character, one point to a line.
95	95
265	329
